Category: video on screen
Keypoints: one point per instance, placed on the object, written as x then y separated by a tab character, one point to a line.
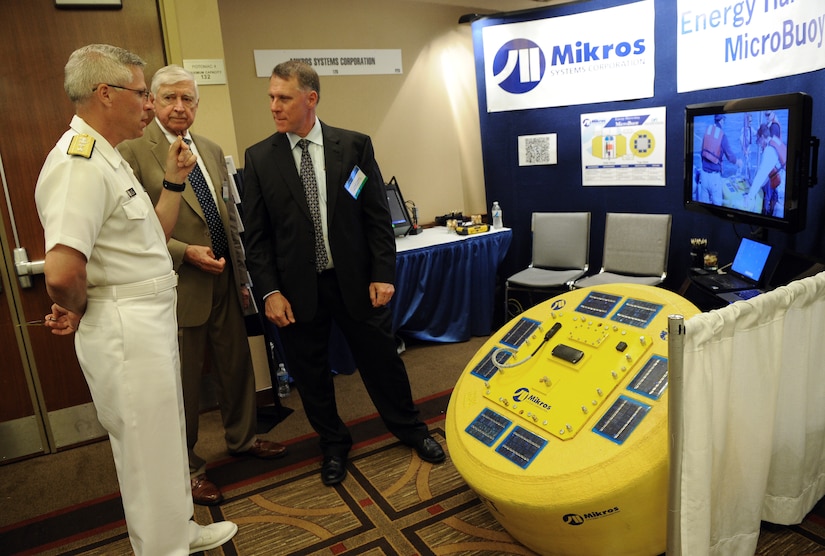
739	160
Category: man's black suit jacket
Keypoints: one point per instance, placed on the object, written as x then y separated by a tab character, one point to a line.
279	233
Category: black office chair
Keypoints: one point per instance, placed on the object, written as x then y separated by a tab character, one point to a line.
636	248
561	248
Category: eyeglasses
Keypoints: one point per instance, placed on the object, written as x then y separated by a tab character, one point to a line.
145	93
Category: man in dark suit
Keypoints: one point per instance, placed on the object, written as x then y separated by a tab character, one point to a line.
213	291
320	248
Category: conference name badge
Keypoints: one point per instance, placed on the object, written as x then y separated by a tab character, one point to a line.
356	182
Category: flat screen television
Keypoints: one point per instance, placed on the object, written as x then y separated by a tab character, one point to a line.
401	221
747	160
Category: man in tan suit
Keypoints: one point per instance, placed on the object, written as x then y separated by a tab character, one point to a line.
213	282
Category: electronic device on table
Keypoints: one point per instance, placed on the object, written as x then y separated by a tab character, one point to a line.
791	266
402	223
746	272
788	115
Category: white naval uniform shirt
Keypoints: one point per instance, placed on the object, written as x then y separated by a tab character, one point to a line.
127	347
96	206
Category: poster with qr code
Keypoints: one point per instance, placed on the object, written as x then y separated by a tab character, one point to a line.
537	150
624	148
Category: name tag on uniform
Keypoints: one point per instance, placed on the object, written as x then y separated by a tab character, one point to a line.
356	182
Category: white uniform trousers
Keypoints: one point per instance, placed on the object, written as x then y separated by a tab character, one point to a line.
127	347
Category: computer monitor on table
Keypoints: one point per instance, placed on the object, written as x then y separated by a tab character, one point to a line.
401	221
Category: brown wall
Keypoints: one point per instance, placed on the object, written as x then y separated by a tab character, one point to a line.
424	122
37	41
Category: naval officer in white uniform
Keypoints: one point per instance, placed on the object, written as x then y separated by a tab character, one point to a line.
110	276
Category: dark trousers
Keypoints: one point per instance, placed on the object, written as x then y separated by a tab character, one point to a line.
306	346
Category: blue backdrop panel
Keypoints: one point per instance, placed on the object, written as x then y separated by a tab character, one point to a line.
523	190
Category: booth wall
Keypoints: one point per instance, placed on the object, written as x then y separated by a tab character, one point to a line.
524	190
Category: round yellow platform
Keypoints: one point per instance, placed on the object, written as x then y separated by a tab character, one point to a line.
559	422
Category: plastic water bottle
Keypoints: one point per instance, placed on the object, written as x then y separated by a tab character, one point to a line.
496	211
283	381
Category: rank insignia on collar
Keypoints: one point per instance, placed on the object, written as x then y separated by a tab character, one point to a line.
81	145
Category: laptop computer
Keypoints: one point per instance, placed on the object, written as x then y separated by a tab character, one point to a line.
746	271
791	266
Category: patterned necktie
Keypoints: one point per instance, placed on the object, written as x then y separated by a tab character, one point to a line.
210	210
311	191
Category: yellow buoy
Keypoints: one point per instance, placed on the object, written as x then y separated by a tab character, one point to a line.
559	422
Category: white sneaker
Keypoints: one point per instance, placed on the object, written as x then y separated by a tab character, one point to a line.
207	537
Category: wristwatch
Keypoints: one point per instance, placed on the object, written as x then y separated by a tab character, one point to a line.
176	187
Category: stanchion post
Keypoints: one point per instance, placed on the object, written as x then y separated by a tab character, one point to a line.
675	422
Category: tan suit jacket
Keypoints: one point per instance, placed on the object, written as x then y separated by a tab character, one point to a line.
194	286
220	333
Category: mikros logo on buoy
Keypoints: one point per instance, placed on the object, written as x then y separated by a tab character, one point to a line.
524	395
578	519
573	519
521	394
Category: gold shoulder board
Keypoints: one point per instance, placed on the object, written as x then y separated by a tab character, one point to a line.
81	145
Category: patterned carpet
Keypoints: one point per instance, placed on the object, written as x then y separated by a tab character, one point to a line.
391	503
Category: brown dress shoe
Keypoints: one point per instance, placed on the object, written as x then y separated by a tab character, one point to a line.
265	449
205	492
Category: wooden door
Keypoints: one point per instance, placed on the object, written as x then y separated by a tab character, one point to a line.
44	401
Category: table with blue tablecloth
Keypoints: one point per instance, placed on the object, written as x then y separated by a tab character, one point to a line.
445	283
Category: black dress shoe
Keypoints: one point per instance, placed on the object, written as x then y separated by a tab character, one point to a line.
429	450
333	470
